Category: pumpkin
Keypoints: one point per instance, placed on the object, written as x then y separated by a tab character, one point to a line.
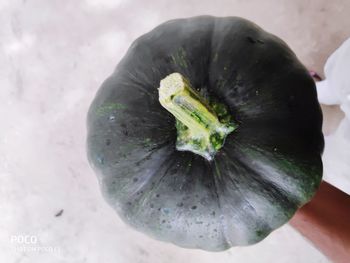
207	134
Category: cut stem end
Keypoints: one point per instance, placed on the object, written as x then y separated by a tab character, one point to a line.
199	129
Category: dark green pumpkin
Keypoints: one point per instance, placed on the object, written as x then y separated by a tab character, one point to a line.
267	168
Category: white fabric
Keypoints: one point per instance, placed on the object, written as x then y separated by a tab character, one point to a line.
335	89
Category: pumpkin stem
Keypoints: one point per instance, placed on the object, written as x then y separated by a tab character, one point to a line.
198	127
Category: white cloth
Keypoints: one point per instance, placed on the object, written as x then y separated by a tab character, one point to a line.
335	89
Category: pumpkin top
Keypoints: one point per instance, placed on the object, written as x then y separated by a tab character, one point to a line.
199	129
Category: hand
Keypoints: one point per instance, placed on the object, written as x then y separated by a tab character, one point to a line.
325	221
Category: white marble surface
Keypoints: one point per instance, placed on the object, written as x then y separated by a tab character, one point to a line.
53	57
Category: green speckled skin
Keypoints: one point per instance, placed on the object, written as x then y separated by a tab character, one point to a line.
268	167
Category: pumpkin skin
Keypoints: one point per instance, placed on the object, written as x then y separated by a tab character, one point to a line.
267	168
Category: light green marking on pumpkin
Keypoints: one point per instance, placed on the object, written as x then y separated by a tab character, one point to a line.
217	170
215	57
109	107
147	142
201	126
179	58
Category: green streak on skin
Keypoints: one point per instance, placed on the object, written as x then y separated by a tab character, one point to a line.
259	233
147	142
215	57
202	126
179	58
108	107
217	170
